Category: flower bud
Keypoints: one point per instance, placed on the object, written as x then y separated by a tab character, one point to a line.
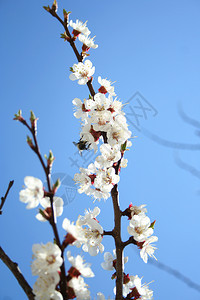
54	6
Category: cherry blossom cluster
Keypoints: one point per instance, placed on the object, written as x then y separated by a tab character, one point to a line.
141	228
46	264
87	232
75	282
102	115
132	287
104	125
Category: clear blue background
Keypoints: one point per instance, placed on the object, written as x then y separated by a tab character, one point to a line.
147	46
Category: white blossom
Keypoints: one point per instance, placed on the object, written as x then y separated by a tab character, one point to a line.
45	285
106	86
82	72
47	258
100	296
101	102
78	263
87	41
137	290
89	215
139	228
98	194
93	232
106	179
109	156
75	230
56	296
89	135
118	133
53	296
148	249
110	260
80	27
137	210
116	107
57	207
33	193
101	120
143	290
80	288
85	178
124	162
81	111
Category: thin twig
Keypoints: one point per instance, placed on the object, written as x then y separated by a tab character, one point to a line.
3	199
17	273
72	44
52	222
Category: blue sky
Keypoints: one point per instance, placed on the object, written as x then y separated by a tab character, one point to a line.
150	47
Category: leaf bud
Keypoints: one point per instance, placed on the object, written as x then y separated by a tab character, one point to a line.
65	37
33	121
18	117
66	14
56	185
50	159
29	142
47	8
152	224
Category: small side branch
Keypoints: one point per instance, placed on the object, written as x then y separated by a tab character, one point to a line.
3	199
108	233
128	242
17	273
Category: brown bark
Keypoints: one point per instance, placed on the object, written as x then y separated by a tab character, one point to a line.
17	273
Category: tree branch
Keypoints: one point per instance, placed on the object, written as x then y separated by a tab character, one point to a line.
118	243
129	241
17	273
72	44
108	233
3	199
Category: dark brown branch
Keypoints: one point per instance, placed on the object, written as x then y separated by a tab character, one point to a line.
108	233
118	243
17	273
128	242
3	199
